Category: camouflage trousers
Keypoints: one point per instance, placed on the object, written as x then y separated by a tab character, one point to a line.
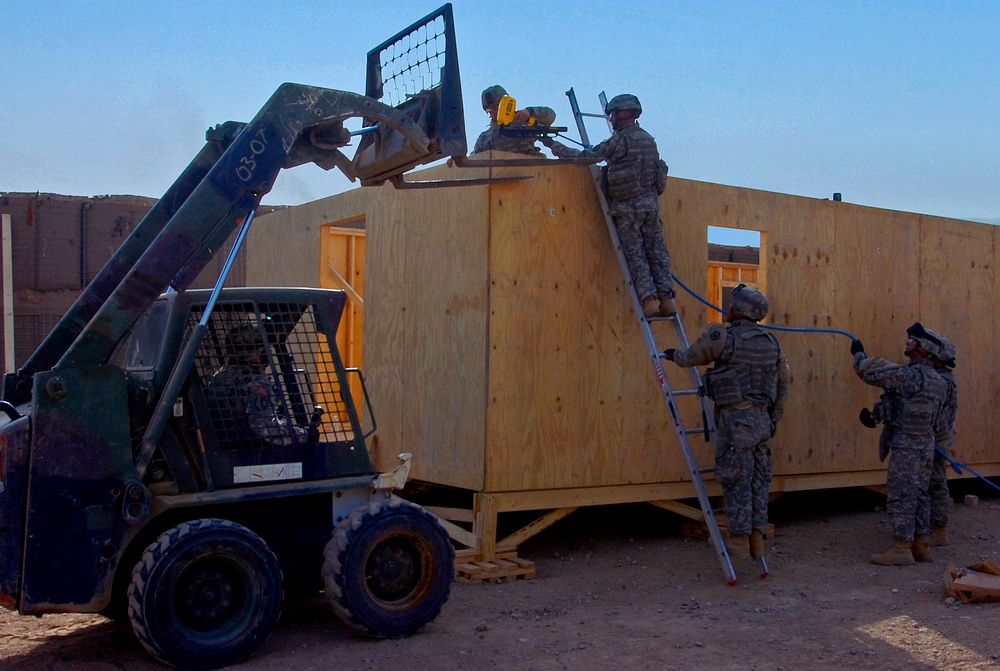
641	235
743	467
907	501
938	492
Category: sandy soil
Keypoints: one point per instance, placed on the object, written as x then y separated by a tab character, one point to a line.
619	588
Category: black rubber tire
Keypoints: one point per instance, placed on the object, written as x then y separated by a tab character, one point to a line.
388	568
178	603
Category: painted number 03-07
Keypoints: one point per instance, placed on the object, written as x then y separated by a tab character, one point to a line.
249	163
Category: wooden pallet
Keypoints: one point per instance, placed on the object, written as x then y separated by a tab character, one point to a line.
513	568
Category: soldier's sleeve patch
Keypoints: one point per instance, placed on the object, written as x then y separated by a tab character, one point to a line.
716	335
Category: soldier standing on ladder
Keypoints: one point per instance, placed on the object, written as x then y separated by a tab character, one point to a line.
634	179
749	385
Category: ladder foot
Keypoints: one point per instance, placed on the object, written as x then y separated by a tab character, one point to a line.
732	581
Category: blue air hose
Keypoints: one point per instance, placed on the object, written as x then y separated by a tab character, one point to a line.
958	466
763	326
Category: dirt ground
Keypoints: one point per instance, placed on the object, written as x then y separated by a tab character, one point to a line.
619	588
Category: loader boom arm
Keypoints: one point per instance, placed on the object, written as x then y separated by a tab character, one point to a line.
227	194
225	182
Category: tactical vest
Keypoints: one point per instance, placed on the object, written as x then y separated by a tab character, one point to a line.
636	173
750	372
914	415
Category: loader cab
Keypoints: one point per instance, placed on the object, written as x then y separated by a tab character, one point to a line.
267	399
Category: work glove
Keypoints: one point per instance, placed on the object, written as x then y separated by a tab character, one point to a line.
856	347
312	432
866	418
668	353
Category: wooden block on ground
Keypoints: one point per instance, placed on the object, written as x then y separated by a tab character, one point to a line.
971	500
513	568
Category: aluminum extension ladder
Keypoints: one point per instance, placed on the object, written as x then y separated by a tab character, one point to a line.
655	354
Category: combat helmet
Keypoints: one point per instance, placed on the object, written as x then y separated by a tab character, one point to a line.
492	95
947	354
749	302
625	101
931	341
245	343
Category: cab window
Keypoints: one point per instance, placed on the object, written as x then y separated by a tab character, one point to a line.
147	338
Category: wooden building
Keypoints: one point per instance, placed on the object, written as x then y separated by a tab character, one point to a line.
499	347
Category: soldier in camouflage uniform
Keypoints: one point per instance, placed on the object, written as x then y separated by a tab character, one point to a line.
909	410
944	438
244	394
492	138
635	177
749	385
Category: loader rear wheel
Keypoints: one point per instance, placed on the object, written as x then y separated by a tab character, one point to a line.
206	594
387	570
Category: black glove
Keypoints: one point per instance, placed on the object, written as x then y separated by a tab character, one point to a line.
866	418
856	347
312	432
668	353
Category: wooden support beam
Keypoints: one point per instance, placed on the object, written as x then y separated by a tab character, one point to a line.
485	528
596	496
460	535
529	530
681	509
453	514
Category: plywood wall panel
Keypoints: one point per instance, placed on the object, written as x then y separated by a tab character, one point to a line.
555	337
957	298
426	340
800	286
385	330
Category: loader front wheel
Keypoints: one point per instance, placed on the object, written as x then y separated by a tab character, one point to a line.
206	594
388	568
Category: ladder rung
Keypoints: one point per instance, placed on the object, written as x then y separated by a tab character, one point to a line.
707	469
696	430
686	392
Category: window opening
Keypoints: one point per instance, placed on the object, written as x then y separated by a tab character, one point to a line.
734	257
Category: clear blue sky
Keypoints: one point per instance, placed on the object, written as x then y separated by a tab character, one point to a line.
893	104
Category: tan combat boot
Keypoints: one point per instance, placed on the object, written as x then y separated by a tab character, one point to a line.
651	307
738	546
938	537
756	544
667	307
899	555
920	548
